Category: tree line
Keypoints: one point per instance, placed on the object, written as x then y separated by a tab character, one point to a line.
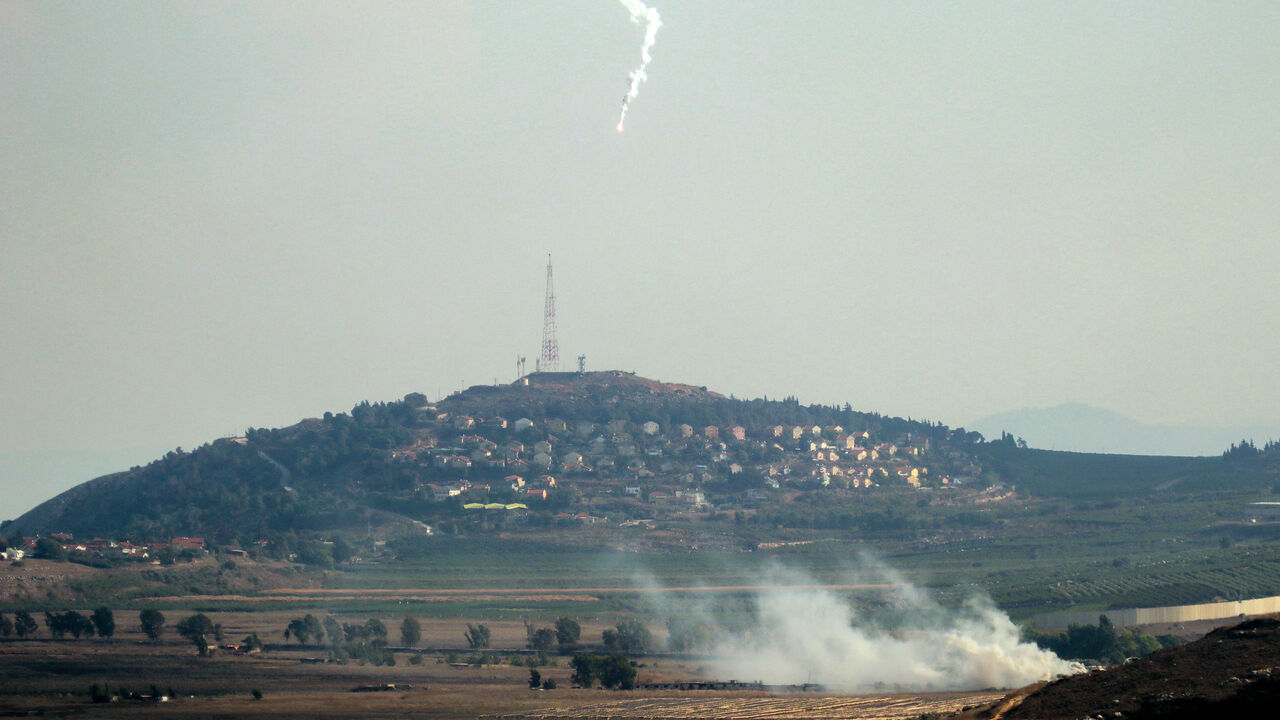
1102	642
101	623
629	637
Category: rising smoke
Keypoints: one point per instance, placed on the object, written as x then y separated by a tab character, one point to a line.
800	633
651	24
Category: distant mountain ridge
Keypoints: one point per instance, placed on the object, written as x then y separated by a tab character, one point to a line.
1076	427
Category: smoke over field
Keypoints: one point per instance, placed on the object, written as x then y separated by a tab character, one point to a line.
798	632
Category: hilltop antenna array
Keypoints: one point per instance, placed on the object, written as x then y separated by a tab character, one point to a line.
550	360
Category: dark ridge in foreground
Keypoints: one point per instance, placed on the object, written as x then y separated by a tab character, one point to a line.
1233	672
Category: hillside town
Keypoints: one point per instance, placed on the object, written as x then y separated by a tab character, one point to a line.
602	449
499	464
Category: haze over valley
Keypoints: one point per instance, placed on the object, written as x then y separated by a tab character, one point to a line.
378	361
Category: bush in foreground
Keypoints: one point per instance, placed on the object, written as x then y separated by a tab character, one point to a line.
612	671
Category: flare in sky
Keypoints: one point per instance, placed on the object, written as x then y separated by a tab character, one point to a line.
651	24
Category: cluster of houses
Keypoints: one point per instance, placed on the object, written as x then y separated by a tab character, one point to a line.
689	498
665	467
536	488
99	547
806	452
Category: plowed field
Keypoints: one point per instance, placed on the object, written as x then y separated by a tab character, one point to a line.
723	707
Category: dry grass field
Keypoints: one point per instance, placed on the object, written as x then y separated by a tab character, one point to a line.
725	706
52	678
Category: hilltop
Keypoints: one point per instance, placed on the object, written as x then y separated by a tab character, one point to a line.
606	386
562	439
610	460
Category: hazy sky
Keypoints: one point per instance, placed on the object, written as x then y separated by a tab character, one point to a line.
222	215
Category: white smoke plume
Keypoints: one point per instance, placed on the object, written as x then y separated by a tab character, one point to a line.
802	633
652	22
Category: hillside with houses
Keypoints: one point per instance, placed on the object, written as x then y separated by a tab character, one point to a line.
566	451
553	448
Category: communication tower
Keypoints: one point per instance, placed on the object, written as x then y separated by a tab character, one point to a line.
550	360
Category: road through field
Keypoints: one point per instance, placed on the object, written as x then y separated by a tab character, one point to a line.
698	589
561	594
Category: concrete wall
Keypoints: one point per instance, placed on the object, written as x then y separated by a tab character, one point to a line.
1128	617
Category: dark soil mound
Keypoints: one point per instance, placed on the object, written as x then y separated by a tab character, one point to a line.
1231	672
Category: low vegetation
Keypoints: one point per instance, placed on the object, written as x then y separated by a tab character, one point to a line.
610	671
629	637
199	630
477	636
1101	643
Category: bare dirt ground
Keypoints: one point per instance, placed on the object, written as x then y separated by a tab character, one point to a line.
739	707
52	678
39	581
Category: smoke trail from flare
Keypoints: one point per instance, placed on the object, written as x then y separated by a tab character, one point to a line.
651	24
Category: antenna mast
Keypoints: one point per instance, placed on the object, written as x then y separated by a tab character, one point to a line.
550	360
